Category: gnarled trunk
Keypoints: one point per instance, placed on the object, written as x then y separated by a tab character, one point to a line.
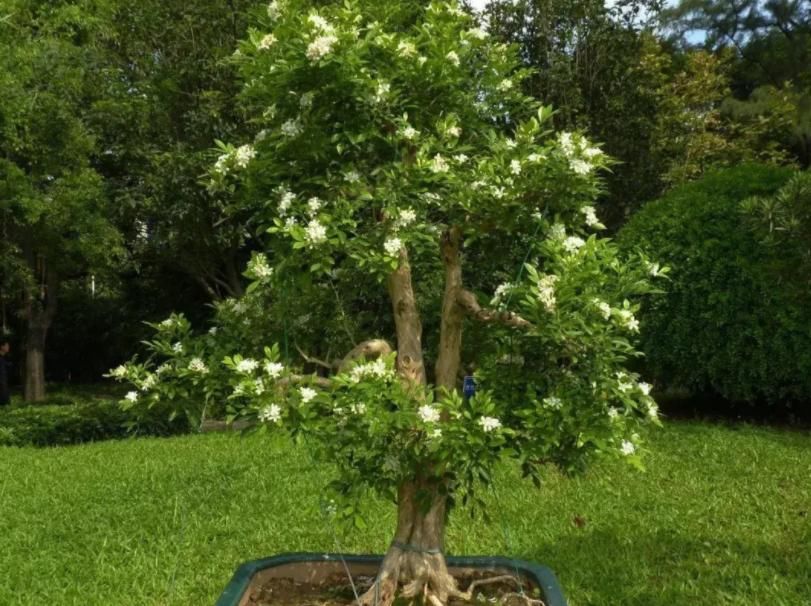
450	336
415	561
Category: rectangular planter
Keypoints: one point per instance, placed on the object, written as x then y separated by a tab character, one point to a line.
257	572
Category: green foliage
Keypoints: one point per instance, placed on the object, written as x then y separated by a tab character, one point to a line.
381	132
64	421
728	322
165	522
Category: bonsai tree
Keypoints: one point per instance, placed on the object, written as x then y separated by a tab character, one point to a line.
398	168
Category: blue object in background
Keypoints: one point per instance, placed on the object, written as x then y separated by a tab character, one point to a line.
469	387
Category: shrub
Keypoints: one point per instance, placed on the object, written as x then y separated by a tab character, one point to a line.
59	424
728	322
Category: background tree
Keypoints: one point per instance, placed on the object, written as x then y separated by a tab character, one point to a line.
54	212
772	44
395	144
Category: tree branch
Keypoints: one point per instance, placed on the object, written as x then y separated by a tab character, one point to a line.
312	360
373	348
322	382
467	300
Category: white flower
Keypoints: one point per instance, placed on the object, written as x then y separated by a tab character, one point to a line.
410	133
572	244
267	41
358	408
259	386
132	396
261	135
177	347
566	143
489	423
477	33
169	323
653	410
613	413
162	369
406	217
590	215
505	85
422	59
406	49
376	369
274	9
259	267
510	143
501	290
320	23
581	167
197	365
553	402
393	246
498	192
654	269
515	167
271	413
429	414
149	382
285	202
592	152
644	388
605	308
290	223
439	164
119	372
534	158
320	47
557	232
352	176
454	131
383	89
315	232
628	320
274	369
435	433
243	155
306	100
307	394
624	383
546	292
627	448
313	206
247	365
477	185
291	128
461	158
453	58
212	330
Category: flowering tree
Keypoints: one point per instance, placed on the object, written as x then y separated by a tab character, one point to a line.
395	148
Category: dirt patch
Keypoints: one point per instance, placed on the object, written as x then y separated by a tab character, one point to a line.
336	590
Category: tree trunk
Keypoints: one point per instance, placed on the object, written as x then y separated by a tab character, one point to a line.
415	560
34	384
450	336
410	364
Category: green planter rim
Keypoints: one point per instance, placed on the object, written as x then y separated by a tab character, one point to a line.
543	576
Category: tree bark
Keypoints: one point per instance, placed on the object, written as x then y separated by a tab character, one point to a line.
415	560
410	363
450	336
39	313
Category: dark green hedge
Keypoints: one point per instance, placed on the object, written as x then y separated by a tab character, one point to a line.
731	322
59	424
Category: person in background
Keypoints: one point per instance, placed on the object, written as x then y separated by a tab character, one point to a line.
5	396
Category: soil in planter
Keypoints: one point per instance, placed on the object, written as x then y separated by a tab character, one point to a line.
336	590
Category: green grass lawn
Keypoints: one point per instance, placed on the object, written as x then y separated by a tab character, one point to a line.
722	516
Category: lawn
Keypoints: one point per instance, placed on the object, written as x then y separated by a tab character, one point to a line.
721	516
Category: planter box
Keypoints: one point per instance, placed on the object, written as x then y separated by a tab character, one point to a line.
308	567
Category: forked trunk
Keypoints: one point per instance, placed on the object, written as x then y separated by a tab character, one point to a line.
415	561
